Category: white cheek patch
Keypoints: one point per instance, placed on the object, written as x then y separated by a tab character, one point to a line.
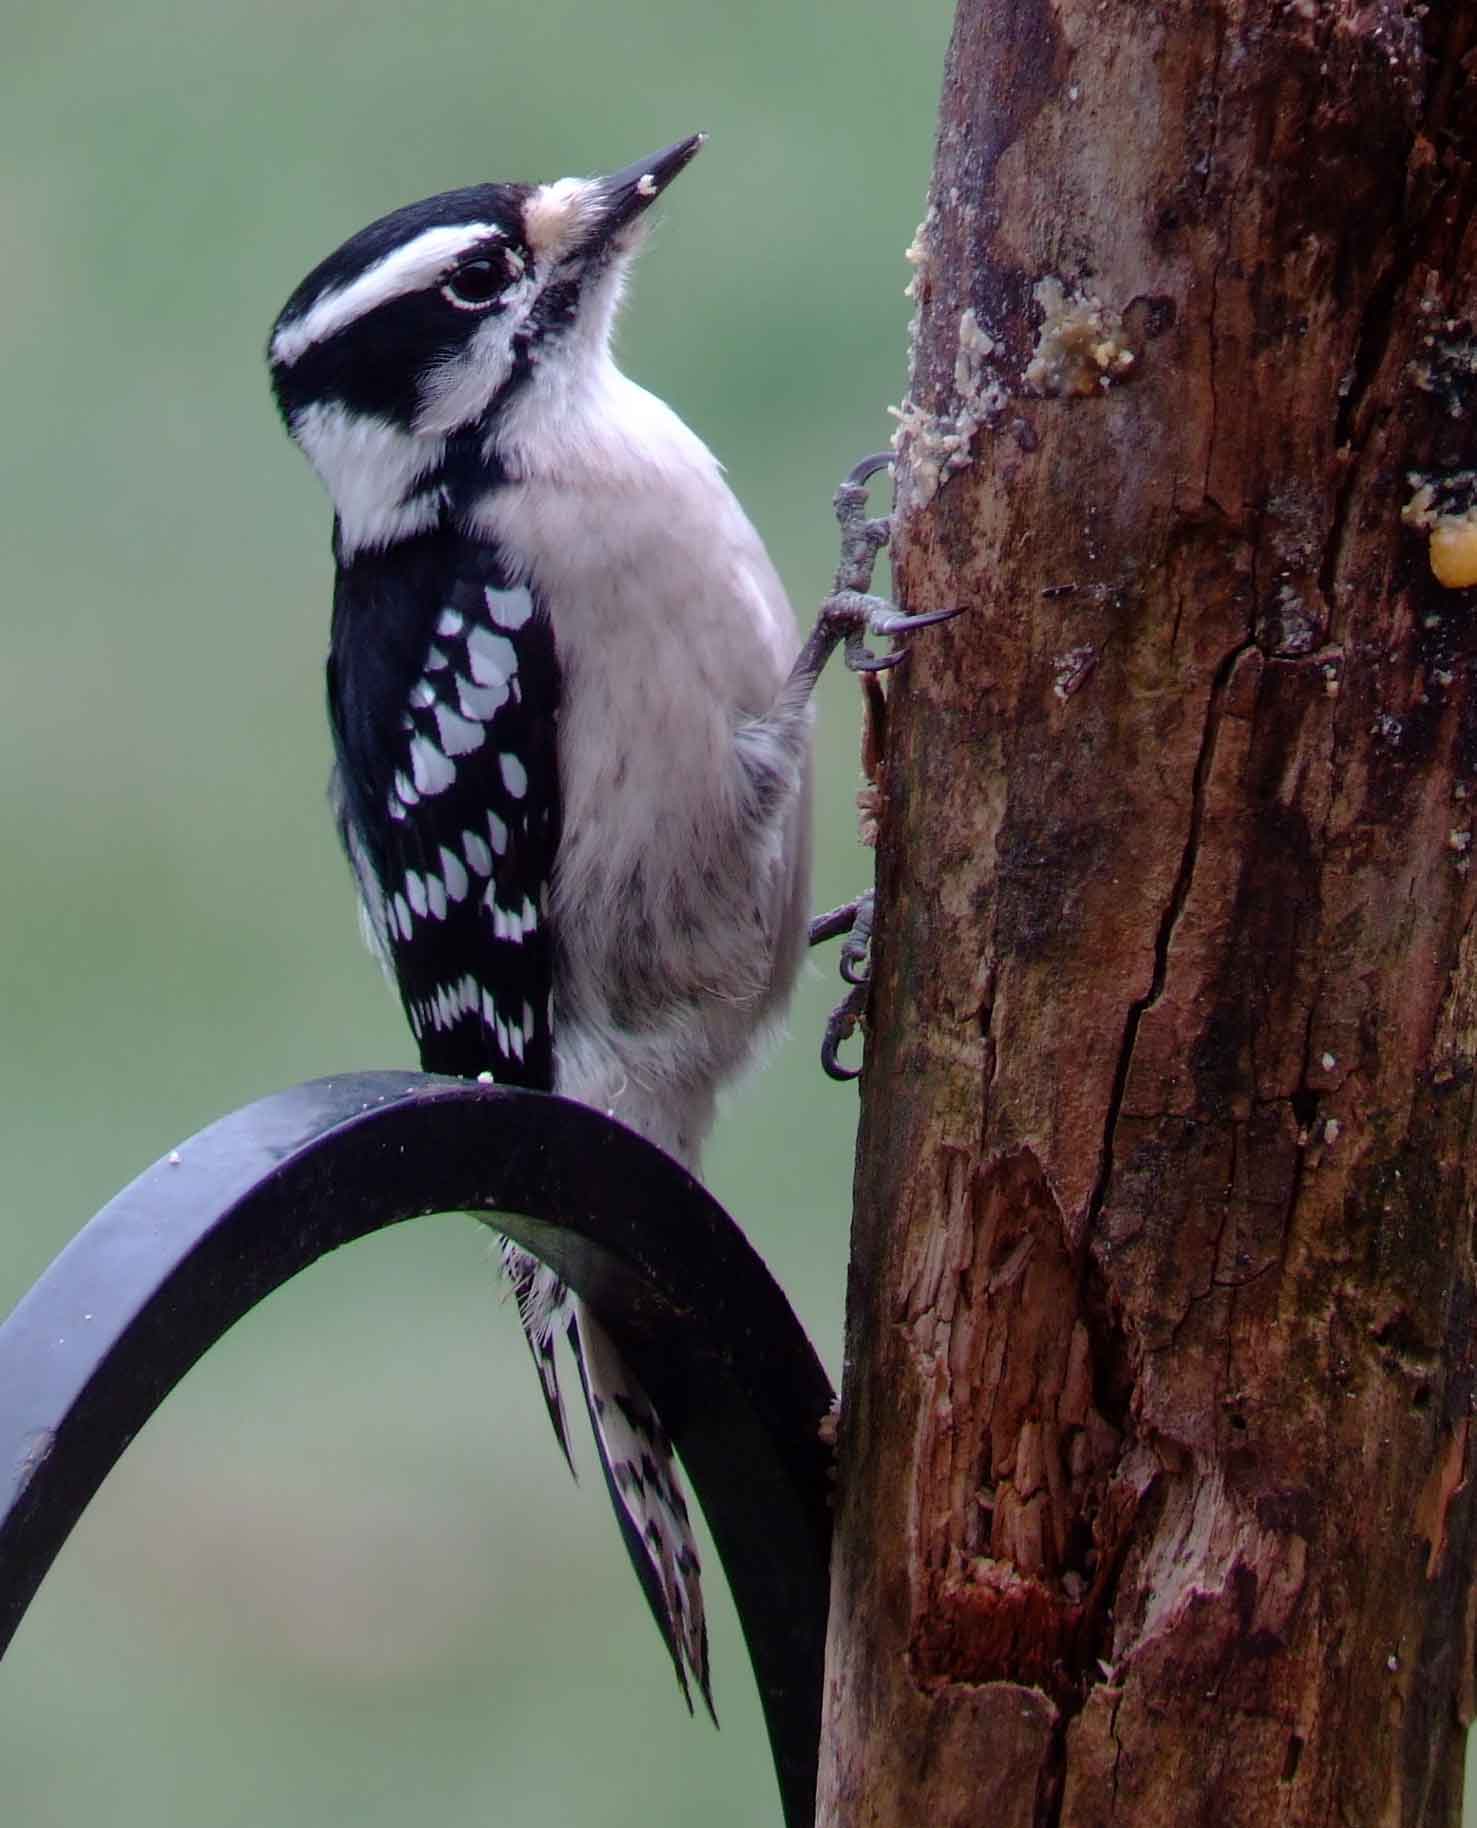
370	468
459	390
420	263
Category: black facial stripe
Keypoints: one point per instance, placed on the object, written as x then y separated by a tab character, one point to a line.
374	364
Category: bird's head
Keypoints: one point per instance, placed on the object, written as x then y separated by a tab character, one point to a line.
428	324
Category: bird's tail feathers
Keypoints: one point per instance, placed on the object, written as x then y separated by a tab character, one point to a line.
646	1494
541	1297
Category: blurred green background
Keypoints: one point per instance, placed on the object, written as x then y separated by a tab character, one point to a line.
344	1575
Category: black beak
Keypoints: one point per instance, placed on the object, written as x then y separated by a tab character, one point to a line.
625	194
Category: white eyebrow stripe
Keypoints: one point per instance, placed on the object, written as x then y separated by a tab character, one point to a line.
407	269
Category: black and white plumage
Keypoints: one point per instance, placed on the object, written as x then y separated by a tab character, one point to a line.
572	742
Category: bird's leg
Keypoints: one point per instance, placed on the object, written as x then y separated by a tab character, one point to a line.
847	617
854	918
831	926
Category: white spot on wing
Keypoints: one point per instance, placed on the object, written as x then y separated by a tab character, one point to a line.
515	775
478	855
506	924
450	622
459	736
415	891
454	874
492	658
402	916
436	896
433	772
481	702
498	832
423	694
509	608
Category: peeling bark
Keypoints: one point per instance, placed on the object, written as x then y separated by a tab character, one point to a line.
1155	1498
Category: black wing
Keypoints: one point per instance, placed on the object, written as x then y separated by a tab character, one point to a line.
444	694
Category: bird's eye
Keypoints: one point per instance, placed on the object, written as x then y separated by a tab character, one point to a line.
475	284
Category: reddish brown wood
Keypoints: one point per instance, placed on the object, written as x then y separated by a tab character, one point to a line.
1155	1498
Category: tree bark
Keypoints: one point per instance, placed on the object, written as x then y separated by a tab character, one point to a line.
1154	1500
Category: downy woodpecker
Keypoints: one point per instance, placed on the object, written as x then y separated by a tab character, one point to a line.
571	724
572	756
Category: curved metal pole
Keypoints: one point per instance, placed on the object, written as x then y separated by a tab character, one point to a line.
197	1240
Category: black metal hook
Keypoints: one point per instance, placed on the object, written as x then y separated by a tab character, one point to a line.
198	1239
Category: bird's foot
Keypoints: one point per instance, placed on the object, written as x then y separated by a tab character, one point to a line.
852	613
850	616
854	919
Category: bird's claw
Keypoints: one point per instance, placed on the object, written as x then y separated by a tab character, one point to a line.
854	919
853	615
845	1019
861	473
887	623
896	624
855	964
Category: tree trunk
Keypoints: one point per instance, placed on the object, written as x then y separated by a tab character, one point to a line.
1154	1466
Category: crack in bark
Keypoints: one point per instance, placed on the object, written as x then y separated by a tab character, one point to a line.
1348	432
1169	920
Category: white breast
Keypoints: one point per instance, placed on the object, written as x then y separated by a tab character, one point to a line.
671	623
672	629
